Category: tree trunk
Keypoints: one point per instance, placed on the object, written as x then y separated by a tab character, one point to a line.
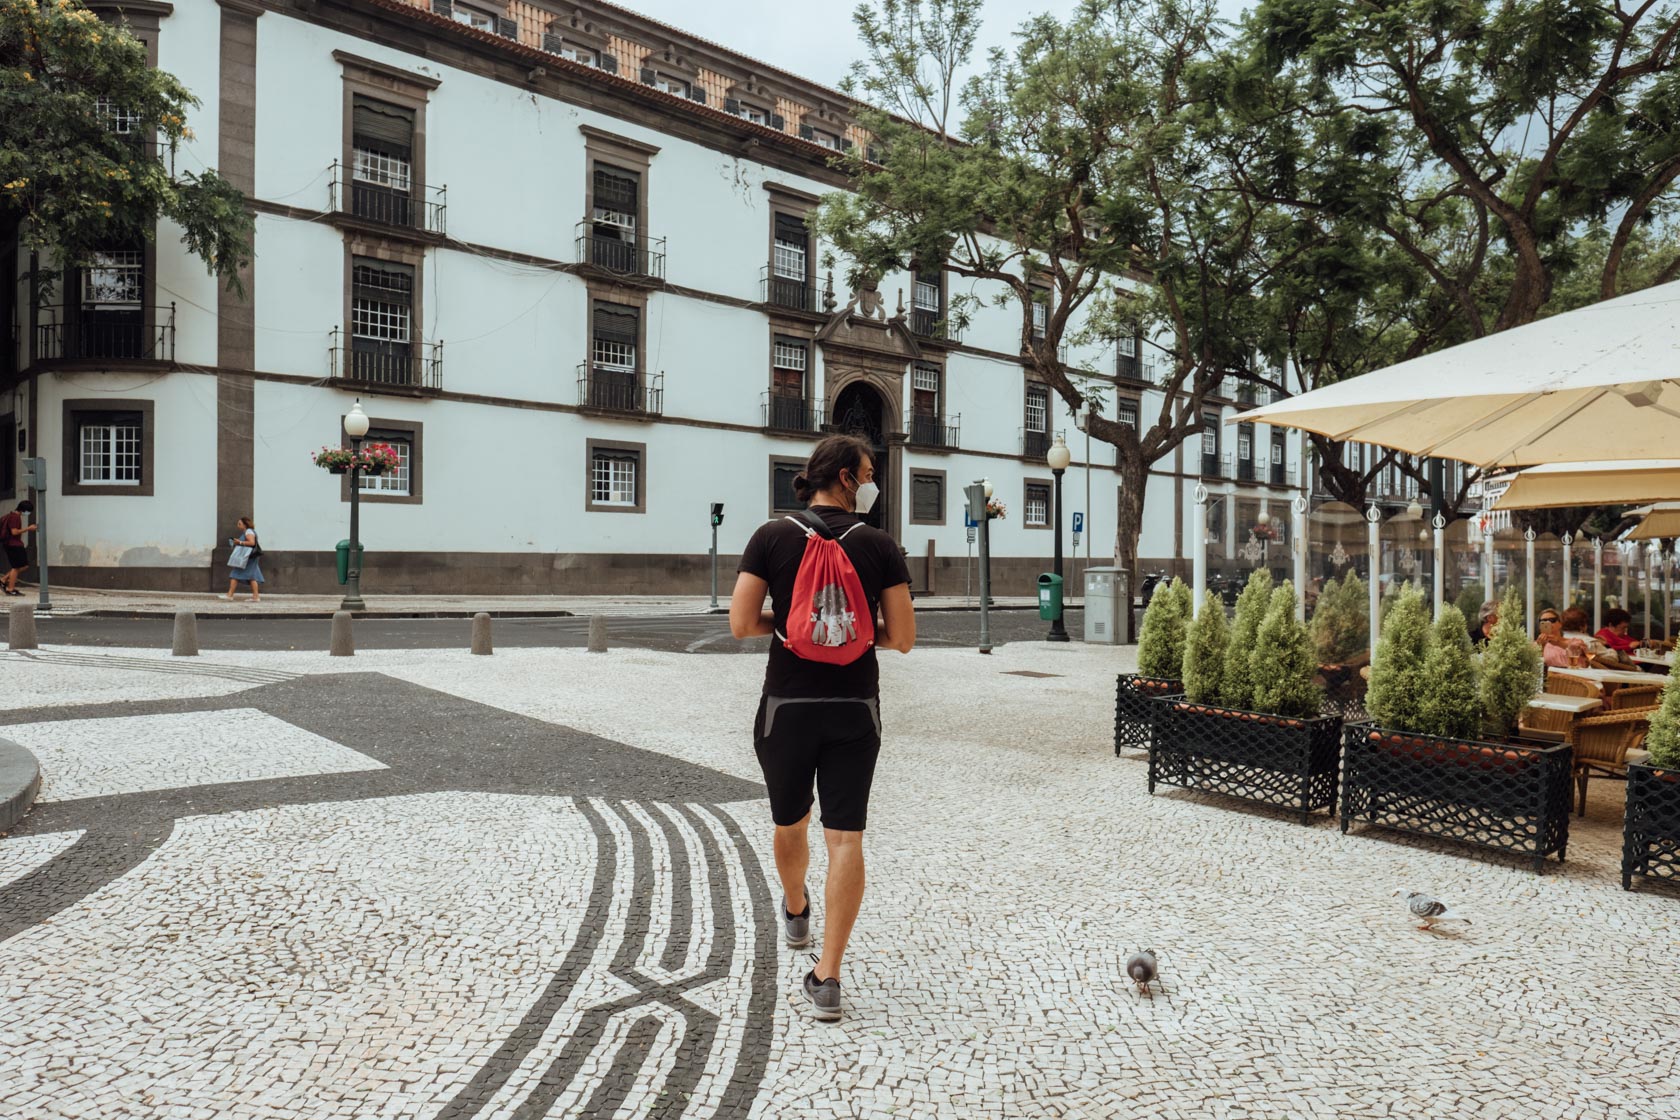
1134	474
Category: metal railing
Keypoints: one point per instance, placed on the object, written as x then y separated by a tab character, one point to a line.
1245	470
790	292
627	391
425	209
620	252
1282	475
1035	445
109	335
785	412
1130	368
928	323
1215	465
398	365
925	429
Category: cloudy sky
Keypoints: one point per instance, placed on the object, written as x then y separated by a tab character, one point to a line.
817	40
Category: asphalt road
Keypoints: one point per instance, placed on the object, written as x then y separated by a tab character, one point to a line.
672	633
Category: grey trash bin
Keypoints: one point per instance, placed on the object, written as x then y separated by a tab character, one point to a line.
1108	599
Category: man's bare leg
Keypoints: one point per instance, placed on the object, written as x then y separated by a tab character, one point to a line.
793	861
843	898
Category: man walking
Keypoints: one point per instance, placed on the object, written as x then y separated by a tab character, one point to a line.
819	721
12	530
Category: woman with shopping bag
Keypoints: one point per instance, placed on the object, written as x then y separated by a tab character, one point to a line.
242	562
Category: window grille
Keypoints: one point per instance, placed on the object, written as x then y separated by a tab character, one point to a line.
110	453
114	279
1128	414
380	168
790	355
617	197
792	248
117	119
1038	409
1128	347
1277	454
613	479
382	302
1245	447
925	379
1038	506
1041	318
925	295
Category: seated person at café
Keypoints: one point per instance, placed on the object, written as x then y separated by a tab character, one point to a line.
1575	630
1556	650
1615	637
1486	619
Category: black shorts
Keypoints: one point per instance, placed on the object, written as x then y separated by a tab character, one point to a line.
832	743
17	556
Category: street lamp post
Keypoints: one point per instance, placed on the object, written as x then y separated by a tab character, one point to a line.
1058	457
355	426
979	494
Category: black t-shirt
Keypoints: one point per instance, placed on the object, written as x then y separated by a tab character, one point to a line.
773	555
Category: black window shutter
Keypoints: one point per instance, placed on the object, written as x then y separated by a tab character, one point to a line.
777	123
925	498
872	154
806	132
648	76
609	62
616	190
783	496
845	145
552	43
507	28
443	8
792	229
730	105
616	323
386	126
695	93
384	281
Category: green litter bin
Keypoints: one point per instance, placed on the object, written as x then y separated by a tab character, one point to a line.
344	560
1049	596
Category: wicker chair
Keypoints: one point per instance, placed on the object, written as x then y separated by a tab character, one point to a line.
1602	743
1559	685
1634	696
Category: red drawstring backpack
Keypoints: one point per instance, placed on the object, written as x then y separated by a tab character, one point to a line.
829	619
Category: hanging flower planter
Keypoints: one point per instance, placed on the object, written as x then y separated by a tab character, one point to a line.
337	460
379	459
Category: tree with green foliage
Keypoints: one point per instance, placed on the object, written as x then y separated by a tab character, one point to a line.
1284	660
77	170
1469	602
1162	635
1204	651
1395	696
1510	669
1341	625
1237	688
1452	703
1663	741
1072	187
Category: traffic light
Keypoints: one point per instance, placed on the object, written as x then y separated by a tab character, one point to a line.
717	514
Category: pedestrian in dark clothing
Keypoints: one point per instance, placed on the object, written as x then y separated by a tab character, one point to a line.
12	530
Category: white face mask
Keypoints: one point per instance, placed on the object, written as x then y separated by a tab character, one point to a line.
866	495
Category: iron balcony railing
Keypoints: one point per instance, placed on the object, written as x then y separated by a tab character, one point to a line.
929	430
425	209
621	252
381	363
787	412
629	392
790	292
120	335
1129	367
1215	465
1245	470
1282	475
1248	393
1036	445
927	323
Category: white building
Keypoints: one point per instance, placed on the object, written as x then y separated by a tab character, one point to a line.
559	252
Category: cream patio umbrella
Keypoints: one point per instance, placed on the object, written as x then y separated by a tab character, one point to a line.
1660	522
1592	484
1598	383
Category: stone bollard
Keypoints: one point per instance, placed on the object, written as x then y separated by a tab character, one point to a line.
22	632
343	642
597	634
481	633
185	643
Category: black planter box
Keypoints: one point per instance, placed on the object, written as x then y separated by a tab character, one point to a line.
1651	824
1274	760
1134	708
1505	797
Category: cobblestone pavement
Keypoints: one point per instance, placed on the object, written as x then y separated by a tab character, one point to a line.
437	886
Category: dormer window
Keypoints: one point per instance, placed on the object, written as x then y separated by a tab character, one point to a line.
473	17
661	77
747	111
831	140
669	84
585	55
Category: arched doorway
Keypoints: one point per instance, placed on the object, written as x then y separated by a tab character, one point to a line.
857	412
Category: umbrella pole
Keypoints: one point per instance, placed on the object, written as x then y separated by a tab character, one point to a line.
1440	524
1374	547
1668	596
1528	576
1299	544
1648	590
1568	572
1198	548
1598	583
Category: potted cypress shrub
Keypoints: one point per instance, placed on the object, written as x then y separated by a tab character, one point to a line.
1160	660
1341	629
1273	747
1438	756
1651	821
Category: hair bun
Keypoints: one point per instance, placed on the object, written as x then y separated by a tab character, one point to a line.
802	487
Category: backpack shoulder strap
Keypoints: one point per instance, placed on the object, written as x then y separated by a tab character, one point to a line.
814	519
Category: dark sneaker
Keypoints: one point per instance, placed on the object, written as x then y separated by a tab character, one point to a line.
824	996
796	928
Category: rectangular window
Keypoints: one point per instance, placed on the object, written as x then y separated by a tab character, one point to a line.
114	279
1040	318
927	497
585	55
782	498
1037	506
747	111
612	478
473	18
382	301
1127	413
788	368
925	292
117	119
1277	454
381	161
792	253
616	335
1038	408
1245	447
925	378
1210	433
617	198
397	482
1128	347
109	448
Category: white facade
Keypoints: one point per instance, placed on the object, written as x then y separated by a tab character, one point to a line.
500	436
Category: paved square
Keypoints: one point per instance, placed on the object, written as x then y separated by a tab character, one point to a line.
554	898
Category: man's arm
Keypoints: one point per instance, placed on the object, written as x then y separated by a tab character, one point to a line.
898	619
747	616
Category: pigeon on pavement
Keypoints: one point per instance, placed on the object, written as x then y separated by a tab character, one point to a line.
1427	909
1141	968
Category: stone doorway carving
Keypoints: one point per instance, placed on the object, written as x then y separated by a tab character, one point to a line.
858	411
